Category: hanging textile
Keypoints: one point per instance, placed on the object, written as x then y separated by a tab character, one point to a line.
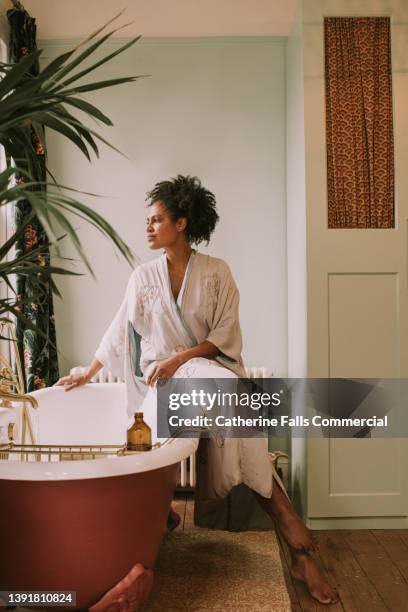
359	130
37	346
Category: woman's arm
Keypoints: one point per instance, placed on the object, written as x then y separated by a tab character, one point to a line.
166	368
204	349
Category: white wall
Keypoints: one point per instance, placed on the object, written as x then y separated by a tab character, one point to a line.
296	243
214	108
76	19
296	203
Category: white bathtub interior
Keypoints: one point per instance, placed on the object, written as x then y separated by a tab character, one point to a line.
91	415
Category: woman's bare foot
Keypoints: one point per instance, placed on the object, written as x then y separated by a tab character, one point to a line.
293	530
305	568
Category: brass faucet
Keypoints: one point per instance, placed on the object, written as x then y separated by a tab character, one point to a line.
12	385
8	381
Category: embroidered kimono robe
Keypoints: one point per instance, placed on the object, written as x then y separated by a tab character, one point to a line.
206	309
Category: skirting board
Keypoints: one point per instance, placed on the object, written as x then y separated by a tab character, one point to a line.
372	522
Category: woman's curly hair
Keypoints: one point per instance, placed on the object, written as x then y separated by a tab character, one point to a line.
184	196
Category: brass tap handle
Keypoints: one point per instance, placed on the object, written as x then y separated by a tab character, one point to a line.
8	330
11	431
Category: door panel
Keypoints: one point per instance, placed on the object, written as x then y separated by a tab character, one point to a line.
357	293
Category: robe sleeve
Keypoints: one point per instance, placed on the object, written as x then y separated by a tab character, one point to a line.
225	332
113	347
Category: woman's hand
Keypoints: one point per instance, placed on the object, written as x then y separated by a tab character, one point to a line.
72	381
164	370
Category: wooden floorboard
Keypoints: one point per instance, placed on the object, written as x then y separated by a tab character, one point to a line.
379	567
395	547
403	534
368	568
356	591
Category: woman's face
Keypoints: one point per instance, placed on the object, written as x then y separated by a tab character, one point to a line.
161	230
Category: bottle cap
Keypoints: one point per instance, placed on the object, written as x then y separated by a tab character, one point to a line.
139	414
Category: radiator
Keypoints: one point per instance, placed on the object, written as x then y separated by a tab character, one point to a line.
188	467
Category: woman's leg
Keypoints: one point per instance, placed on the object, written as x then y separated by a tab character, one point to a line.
300	541
281	509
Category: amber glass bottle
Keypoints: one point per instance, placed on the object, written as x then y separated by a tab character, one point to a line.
139	435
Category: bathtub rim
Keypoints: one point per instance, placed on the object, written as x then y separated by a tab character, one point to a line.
173	452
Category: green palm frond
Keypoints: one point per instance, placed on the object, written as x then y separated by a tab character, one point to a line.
54	209
26	99
28	105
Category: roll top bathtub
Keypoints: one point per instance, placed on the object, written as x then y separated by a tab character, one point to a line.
82	525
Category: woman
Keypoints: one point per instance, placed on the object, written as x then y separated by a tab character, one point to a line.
184	306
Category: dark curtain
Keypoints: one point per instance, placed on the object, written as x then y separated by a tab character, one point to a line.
37	346
359	130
